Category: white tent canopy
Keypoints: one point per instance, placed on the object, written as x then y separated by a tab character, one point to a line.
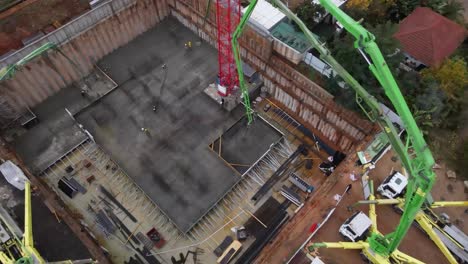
265	14
13	174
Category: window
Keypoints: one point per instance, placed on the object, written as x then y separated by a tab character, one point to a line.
350	230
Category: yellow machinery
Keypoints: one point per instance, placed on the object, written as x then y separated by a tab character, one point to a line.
426	222
25	247
22	251
396	256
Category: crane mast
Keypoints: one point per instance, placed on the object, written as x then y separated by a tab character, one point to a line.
227	19
414	153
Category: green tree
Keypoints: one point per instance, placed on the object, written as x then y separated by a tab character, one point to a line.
436	5
432	102
376	13
361	5
310	13
451	76
453	10
401	9
343	50
390	47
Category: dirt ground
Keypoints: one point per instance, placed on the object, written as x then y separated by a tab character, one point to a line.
416	242
30	17
451	190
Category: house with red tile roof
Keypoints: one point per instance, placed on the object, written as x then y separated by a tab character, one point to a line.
428	37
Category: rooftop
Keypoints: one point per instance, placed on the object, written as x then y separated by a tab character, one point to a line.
291	36
265	14
428	36
376	147
335	2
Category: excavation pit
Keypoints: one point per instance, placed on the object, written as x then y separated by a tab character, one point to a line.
158	123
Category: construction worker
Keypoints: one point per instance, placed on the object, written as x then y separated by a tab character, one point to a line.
154	108
352	176
164	66
188	44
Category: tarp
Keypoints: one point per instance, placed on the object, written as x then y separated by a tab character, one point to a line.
13	174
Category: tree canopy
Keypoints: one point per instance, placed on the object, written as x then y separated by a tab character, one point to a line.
378	11
452	76
310	13
361	5
344	51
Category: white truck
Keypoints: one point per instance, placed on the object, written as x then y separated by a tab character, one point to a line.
393	186
356	227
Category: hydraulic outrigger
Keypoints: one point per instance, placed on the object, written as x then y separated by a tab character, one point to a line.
29	254
414	153
22	251
424	221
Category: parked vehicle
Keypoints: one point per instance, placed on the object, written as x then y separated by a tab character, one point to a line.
356	227
393	186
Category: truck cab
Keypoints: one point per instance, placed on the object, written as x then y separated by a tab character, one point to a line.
356	227
393	186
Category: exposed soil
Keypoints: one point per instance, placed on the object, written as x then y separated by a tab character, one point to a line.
416	243
30	17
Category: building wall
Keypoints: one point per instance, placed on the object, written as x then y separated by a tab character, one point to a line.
100	31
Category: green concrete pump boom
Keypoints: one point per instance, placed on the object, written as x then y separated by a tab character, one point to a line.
237	58
414	154
419	161
10	70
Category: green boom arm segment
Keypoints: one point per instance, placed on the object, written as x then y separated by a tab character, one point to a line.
10	70
419	165
240	72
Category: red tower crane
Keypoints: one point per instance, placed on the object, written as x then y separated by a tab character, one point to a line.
227	18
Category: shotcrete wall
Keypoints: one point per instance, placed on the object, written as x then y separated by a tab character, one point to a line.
100	31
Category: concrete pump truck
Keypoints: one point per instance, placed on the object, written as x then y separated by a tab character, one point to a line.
414	154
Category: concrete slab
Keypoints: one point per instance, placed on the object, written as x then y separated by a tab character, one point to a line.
170	160
56	133
48	141
243	145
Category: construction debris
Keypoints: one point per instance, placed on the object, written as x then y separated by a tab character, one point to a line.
451	175
113	200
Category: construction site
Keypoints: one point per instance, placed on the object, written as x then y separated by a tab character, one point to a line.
173	131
